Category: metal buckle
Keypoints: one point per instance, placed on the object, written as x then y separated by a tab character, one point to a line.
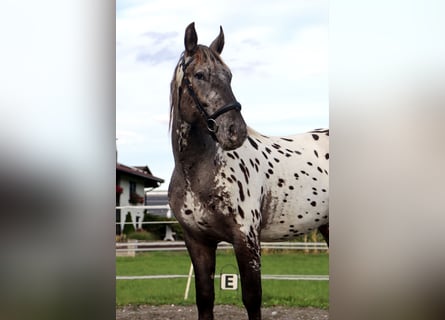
211	125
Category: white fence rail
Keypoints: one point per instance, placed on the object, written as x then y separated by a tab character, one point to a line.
151	222
167	207
132	247
299	277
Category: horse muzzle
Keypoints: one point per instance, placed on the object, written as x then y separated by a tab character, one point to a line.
230	131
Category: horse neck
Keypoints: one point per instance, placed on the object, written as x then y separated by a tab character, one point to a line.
192	145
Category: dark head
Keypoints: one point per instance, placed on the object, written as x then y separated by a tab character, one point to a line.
201	93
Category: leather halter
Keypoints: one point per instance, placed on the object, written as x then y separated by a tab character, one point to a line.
210	119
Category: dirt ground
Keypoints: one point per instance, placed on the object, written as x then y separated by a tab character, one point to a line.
222	312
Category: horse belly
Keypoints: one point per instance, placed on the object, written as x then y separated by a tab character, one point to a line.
291	213
288	221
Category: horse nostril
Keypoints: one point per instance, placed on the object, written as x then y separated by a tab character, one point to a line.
232	132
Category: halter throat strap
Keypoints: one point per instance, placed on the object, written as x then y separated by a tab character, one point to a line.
210	119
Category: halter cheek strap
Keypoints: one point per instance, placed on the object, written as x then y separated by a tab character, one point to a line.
210	119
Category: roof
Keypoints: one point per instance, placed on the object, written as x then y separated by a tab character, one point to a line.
140	171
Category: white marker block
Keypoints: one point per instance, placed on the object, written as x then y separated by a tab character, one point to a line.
229	282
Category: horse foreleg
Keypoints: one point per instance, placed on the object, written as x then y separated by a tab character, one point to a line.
249	264
203	259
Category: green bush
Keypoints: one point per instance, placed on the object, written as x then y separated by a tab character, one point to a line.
128	227
159	229
142	235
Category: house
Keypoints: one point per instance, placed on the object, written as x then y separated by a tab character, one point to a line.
131	185
157	201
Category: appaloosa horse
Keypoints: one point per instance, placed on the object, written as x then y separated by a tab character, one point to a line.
231	183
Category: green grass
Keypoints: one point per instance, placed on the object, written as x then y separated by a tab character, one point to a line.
171	291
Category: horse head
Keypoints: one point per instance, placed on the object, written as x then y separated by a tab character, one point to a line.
201	92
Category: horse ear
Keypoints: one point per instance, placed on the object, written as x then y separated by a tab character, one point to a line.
218	44
190	38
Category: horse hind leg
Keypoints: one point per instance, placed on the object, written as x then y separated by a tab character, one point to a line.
203	256
324	230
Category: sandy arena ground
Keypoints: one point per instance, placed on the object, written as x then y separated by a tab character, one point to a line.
221	313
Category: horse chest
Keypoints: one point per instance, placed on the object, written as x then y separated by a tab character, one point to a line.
207	218
193	214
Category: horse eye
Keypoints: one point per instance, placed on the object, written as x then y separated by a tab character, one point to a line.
199	75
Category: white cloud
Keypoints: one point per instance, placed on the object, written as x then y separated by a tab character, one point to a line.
129	138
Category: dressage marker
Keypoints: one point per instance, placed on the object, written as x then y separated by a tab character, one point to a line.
231	183
228	281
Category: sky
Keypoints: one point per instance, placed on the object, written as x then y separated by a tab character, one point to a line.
277	52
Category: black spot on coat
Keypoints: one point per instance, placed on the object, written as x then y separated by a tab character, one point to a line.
253	143
241	191
241	212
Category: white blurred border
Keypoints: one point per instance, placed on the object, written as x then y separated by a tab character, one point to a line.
387	63
57	164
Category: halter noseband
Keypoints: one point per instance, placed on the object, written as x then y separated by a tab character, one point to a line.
210	119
